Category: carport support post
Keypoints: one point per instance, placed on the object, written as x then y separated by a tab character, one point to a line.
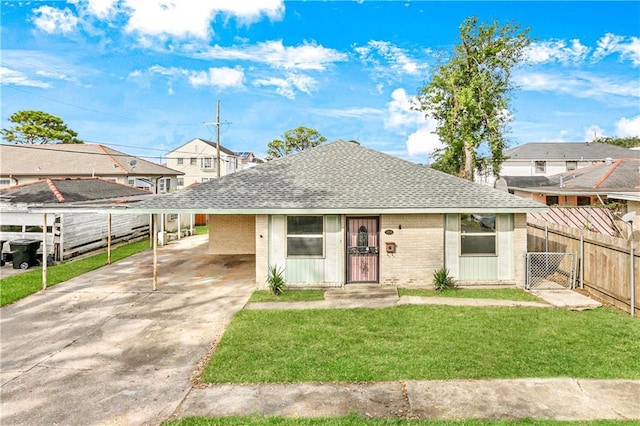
44	253
154	224
109	239
179	230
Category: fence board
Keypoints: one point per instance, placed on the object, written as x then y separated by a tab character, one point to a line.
606	261
597	219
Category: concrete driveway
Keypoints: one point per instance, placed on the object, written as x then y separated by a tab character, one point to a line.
104	348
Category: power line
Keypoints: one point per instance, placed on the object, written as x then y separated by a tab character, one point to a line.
124	117
51	148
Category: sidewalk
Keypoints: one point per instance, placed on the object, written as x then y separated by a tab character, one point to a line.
560	399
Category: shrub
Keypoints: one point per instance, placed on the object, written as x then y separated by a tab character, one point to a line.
442	280
275	280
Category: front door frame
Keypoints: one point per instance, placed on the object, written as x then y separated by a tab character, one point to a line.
370	251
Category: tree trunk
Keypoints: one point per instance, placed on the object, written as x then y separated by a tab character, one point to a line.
467	172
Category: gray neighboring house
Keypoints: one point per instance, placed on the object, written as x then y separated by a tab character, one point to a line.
582	187
70	233
341	213
540	159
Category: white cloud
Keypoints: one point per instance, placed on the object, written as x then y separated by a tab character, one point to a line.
16	78
222	77
421	139
628	48
593	132
350	112
52	20
287	86
628	127
578	84
556	50
308	56
396	61
193	18
101	9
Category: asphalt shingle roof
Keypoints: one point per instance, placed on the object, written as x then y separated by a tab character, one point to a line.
51	191
621	175
338	177
58	160
569	151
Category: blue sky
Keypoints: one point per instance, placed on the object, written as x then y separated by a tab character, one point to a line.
144	76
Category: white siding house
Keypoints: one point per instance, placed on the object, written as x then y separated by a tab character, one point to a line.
198	160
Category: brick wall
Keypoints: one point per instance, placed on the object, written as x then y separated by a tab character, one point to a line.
232	234
419	248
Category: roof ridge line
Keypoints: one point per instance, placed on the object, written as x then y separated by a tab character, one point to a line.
606	175
112	159
55	190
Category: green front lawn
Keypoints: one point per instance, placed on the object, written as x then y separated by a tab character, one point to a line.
21	285
357	421
425	342
473	293
287	296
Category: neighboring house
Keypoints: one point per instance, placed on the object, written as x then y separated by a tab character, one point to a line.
632	204
582	187
70	233
249	159
540	159
198	161
20	164
341	213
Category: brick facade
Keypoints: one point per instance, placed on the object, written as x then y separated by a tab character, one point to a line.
419	240
232	234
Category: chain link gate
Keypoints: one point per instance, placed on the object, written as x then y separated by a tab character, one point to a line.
548	270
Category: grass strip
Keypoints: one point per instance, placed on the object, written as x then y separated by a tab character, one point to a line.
473	293
18	286
425	343
354	420
287	296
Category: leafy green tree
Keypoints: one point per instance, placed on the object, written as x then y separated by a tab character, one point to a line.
294	140
469	95
37	127
629	142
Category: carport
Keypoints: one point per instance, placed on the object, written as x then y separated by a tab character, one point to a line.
157	233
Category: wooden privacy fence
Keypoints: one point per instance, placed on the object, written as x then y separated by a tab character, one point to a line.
604	262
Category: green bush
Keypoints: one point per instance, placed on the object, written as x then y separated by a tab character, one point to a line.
276	280
442	280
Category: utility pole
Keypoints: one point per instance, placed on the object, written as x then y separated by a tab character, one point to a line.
218	137
217	124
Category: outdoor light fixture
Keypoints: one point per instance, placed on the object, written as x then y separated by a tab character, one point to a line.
628	219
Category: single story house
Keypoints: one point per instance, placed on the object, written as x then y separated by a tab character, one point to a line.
70	233
341	213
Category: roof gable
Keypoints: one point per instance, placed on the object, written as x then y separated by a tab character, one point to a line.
179	150
339	176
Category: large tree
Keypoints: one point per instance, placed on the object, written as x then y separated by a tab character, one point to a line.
37	127
294	140
469	95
